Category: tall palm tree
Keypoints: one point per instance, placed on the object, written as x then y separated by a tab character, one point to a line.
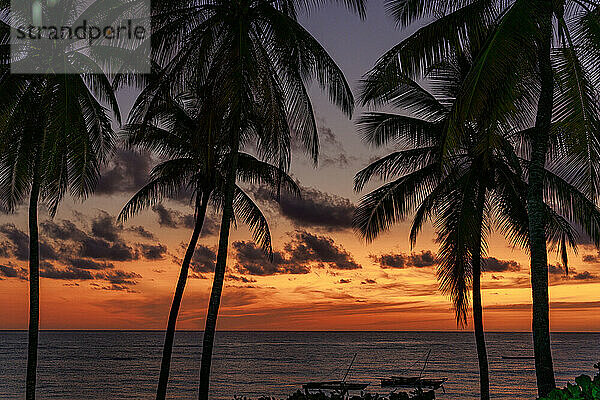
261	59
55	134
513	83
479	185
184	131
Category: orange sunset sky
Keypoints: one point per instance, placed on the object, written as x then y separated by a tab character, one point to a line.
97	274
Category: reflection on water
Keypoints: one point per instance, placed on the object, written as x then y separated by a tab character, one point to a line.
125	365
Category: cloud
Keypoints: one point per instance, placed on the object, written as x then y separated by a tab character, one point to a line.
166	217
7	271
343	281
556	270
306	248
368	282
585	276
101	249
204	260
170	218
127	172
298	256
314	208
242	279
66	230
47	270
332	152
82	263
251	260
142	232
591	258
112	287
102	242
119	277
104	227
19	241
340	160
558	276
153	252
18	244
402	260
492	264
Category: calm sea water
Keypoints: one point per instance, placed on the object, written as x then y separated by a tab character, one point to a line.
125	365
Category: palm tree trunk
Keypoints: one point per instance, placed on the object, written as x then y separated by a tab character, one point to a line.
535	206
34	284
201	205
484	375
217	287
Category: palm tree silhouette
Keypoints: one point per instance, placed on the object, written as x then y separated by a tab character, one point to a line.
516	81
184	131
479	186
55	135
260	58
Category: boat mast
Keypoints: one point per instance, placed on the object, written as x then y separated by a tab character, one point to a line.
425	363
349	368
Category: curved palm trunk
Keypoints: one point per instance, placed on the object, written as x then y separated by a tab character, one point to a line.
217	287
535	206
484	375
161	391
34	285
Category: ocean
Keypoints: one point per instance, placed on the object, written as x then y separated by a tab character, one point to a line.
114	365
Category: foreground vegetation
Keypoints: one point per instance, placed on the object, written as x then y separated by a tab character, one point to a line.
585	388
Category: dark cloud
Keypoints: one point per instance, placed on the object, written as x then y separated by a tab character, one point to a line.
585	276
304	251
18	244
19	241
82	263
66	230
153	252
342	281
314	209
49	271
332	152
492	264
423	259
102	242
368	282
127	172
112	287
203	260
556	270
251	260
7	271
306	248
558	276
170	218
104	227
242	279
142	232
80	254
210	226
591	258
101	249
167	218
340	160
118	277
4	249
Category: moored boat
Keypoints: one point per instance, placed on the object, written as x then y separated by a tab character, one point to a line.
413	382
